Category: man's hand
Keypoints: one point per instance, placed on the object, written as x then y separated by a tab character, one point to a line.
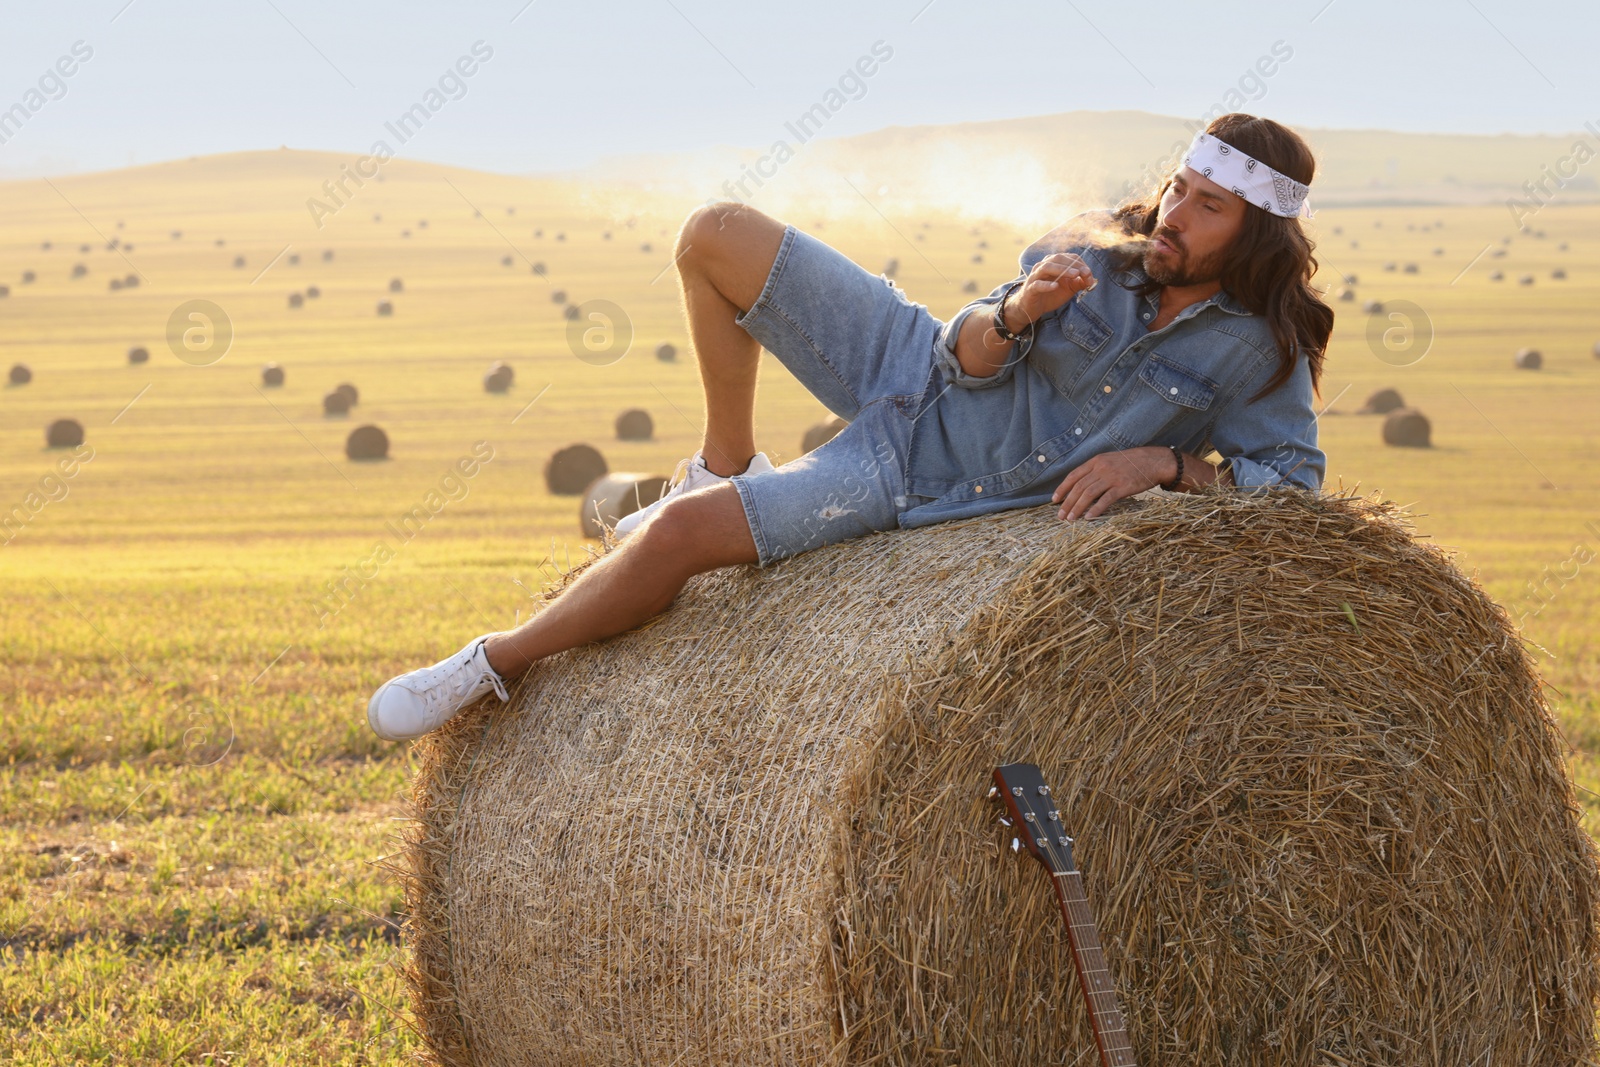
1051	283
1098	483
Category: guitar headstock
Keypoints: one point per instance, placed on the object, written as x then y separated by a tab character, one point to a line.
1034	815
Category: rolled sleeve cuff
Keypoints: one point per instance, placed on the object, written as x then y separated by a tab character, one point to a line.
945	350
1253	474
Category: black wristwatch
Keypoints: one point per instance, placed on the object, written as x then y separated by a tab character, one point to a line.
1000	316
1177	479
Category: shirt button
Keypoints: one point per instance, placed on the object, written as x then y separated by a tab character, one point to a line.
1078	430
1041	459
1145	316
1106	389
1173	391
977	489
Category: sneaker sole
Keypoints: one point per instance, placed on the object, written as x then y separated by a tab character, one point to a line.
372	714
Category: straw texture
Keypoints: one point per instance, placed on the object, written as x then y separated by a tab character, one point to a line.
1319	802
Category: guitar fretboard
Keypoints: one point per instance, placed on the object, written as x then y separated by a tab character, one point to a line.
1106	1017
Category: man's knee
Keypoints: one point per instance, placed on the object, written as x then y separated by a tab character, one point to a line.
700	531
720	225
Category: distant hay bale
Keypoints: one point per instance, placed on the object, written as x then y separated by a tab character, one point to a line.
21	374
367	443
385	308
138	354
1410	268
538	268
5	290
610	497
29	277
821	433
558	296
272	375
666	352
1559	274
396	285
1351	279
1526	279
79	270
296	300
327	255
891	268
635	424
499	378
1318	794
1497	276
977	257
1595	351
570	312
1391	267
645	247
1528	359
1347	294
1407	428
1373	307
351	393
335	404
64	433
294	259
238	262
312	292
969	286
115	284
506	261
1382	402
573	469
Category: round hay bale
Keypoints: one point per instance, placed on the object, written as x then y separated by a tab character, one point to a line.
969	286
727	838
1391	267
891	268
29	277
272	375
1410	268
138	355
115	284
5	290
666	352
539	269
635	424
506	261
385	308
1497	276
327	255
612	496
573	469
1372	307
335	404
21	374
396	285
238	262
1526	279
1407	429
1559	274
312	292
1347	294
296	300
499	379
1382	402
79	270
64	433
294	259
570	312
1529	359
559	296
821	433
500	366
366	443
351	393
1595	351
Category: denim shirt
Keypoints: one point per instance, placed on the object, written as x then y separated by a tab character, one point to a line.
1094	379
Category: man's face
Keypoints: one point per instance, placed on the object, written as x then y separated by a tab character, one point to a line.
1195	226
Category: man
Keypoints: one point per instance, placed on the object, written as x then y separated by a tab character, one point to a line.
1053	388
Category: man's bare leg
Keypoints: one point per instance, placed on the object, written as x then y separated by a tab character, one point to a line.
639	579
725	252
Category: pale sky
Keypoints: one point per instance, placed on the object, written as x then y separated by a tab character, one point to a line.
568	84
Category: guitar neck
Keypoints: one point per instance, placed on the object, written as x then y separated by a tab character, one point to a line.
1104	1015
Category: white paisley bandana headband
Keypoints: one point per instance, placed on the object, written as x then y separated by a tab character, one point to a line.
1250	179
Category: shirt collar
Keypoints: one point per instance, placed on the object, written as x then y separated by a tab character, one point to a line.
1223	299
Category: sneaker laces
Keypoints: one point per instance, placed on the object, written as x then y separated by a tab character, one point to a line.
464	681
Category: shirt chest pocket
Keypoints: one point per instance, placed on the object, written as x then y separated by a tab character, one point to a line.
1086	334
1174	400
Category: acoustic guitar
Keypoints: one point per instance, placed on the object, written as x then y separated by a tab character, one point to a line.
1033	813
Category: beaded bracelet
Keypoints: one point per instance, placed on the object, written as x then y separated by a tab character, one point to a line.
1178	479
1000	317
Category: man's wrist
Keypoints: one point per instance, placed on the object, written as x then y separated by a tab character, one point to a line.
1011	312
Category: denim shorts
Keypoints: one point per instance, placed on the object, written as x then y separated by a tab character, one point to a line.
863	348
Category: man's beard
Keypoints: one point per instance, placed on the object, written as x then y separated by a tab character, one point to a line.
1174	268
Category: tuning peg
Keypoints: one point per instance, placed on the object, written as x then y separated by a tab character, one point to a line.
1016	846
994	791
1004	821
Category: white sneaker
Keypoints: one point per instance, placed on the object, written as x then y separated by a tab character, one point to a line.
422	700
695	475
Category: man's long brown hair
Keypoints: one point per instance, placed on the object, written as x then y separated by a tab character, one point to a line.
1269	265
